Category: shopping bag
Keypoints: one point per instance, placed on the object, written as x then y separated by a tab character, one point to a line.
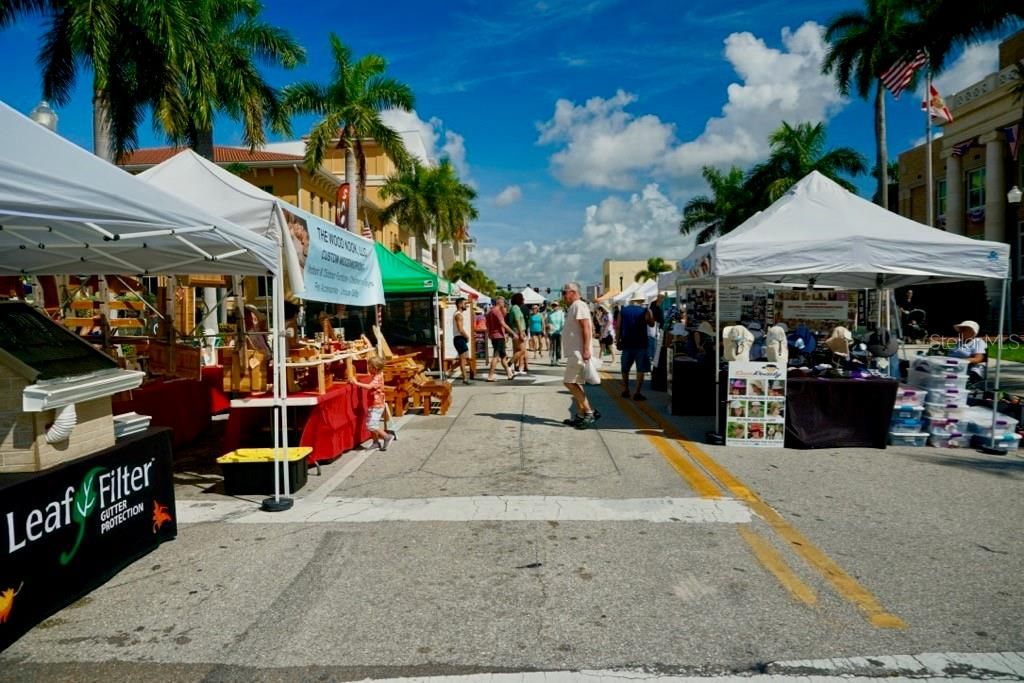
592	370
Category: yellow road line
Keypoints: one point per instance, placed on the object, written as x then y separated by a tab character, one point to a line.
847	586
695	478
773	562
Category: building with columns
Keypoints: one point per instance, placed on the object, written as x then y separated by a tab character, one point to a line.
975	164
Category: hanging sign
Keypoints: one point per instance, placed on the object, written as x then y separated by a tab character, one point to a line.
337	266
756	408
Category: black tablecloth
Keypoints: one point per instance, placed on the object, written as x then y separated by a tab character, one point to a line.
838	413
67	530
693	386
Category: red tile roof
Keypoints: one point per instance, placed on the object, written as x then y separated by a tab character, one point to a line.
151	156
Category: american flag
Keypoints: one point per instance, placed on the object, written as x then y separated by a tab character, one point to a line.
960	148
897	77
1013	139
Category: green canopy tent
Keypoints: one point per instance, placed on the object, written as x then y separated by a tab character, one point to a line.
411	313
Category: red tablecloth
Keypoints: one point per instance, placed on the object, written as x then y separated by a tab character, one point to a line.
181	404
337	423
213	380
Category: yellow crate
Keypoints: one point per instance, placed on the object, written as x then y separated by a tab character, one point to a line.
262	455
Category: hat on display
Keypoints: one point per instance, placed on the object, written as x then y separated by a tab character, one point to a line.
840	340
883	343
969	324
705	328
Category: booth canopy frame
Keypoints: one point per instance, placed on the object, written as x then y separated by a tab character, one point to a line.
820	233
64	211
472	292
532	296
400	274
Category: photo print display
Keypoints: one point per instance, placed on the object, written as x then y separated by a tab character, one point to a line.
756	409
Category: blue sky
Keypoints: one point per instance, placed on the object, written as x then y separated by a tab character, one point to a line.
583	125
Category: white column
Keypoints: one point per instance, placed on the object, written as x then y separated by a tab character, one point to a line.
954	193
222	311
210	324
995	187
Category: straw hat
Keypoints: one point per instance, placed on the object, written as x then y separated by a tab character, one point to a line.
705	328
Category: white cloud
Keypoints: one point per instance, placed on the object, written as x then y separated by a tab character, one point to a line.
974	64
645	225
423	139
605	146
510	195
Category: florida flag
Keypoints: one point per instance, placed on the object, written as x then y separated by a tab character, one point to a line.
936	106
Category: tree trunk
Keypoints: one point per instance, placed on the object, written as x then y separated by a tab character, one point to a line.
101	143
437	249
882	153
204	144
353	188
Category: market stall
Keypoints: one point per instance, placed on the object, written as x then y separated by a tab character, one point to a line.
64	211
411	317
820	234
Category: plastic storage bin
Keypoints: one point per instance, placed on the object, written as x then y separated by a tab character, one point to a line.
926	380
942	426
910	396
948	396
955	440
251	470
979	421
940	365
907	412
944	411
1010	441
916	439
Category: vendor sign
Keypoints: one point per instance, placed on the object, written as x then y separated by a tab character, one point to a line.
815	308
756	408
67	530
337	266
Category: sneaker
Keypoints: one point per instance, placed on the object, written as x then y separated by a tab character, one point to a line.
572	421
387	441
586	422
639	397
625	393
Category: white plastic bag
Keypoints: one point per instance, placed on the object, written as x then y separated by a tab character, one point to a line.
592	370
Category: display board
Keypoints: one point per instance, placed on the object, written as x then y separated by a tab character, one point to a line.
756	405
69	529
819	309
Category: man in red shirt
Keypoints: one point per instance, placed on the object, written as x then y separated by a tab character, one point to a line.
496	330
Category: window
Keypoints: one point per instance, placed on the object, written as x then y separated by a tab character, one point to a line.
940	199
976	189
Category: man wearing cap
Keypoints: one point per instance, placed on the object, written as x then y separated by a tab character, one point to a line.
973	348
577	338
631	338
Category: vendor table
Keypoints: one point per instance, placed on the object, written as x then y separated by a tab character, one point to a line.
334	422
838	413
181	404
69	529
213	380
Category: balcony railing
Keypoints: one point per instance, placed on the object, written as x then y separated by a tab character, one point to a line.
989	84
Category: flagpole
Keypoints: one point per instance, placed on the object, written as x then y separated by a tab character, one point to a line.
928	182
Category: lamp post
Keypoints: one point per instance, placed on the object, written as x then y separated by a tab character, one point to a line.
44	115
620	283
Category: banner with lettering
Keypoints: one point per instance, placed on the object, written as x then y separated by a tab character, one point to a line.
338	266
756	409
67	530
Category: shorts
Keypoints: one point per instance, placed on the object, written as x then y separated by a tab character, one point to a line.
607	340
498	344
461	344
375	419
638	356
575	371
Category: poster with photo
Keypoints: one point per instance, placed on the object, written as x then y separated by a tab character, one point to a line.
756	407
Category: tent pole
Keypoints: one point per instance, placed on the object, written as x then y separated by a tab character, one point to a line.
992	448
715	363
282	482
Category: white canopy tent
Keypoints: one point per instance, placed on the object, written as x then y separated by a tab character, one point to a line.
819	233
473	293
648	289
65	211
200	181
530	296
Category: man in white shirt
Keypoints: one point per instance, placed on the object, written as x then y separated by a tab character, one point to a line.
577	337
973	348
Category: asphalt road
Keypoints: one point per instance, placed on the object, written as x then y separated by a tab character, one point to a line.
495	539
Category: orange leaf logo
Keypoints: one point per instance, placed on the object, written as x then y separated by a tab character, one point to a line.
160	515
7	602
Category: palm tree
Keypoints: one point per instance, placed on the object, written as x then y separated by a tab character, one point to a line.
943	25
655	265
452	202
893	176
863	45
795	152
717	214
410	207
229	80
350	106
136	50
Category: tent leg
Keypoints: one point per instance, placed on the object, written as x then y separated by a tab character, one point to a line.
992	449
279	502
713	437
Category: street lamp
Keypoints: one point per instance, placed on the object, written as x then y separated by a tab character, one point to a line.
1014	195
44	115
620	283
